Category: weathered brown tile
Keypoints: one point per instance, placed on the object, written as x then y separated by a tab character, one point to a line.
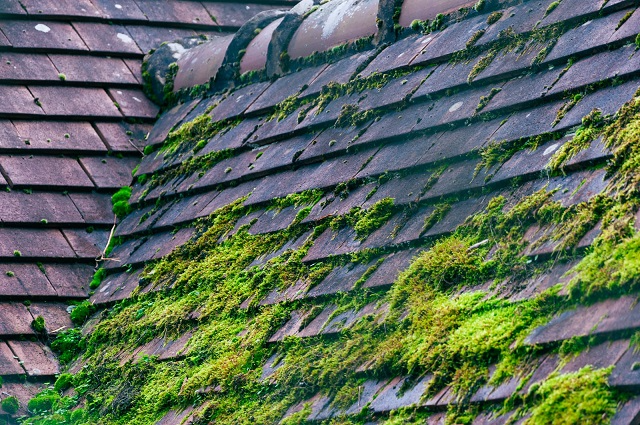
16	319
70	280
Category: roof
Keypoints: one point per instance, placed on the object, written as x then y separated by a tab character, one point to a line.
390	214
73	119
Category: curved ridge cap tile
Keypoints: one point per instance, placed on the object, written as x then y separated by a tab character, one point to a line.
200	64
332	24
157	64
255	57
429	9
252	39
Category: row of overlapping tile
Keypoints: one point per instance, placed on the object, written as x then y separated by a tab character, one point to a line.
439	123
73	119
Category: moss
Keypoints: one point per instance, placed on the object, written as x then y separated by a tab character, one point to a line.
82	311
10	405
475	37
484	100
583	397
64	382
638	42
38	324
43	402
494	17
97	279
439	212
592	126
120	202
551	8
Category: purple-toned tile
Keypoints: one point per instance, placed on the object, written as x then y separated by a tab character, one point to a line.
109	172
151	37
398	54
200	64
18	100
122	136
238	101
68	8
24	280
95	208
32	243
87	244
44	35
24	66
92	69
339	72
189	12
55	136
70	280
104	38
230	14
38	207
75	101
284	87
133	103
37	359
51	171
122	9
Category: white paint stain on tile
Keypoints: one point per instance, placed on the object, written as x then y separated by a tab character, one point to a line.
117	6
42	28
124	38
456	106
550	149
177	49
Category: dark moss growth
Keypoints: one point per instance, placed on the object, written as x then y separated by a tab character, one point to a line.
10	405
68	344
38	324
81	312
44	402
493	18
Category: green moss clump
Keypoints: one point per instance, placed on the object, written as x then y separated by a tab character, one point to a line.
38	324
10	405
551	8
97	278
592	126
43	402
68	344
583	397
82	311
64	382
373	218
120	202
493	18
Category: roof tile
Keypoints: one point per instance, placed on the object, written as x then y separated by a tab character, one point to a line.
17	100
109	172
133	103
42	35
37	359
75	102
26	66
32	243
59	136
92	69
100	37
51	171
